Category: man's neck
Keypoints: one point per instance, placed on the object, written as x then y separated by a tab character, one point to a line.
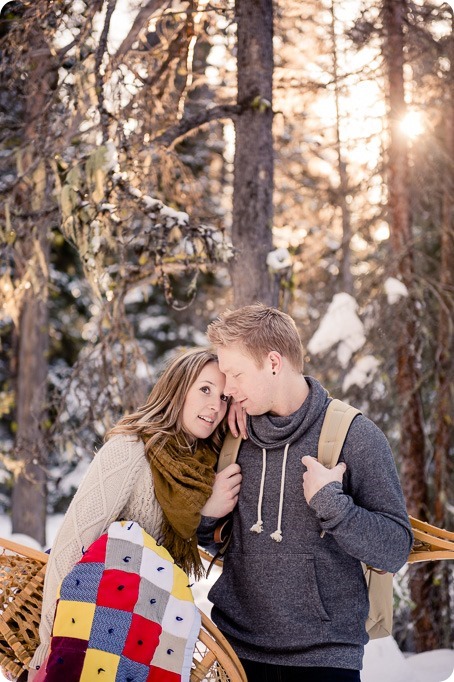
294	392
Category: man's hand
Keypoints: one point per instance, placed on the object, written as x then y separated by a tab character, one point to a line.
237	420
225	492
317	476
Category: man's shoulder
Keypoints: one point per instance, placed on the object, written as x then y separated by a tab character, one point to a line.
365	434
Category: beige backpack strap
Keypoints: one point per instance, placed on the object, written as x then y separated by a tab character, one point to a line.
335	427
229	451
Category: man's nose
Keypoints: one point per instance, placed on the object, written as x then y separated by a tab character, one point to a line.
229	388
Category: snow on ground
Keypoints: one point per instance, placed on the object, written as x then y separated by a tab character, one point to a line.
383	661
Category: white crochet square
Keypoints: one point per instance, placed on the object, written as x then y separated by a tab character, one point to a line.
157	570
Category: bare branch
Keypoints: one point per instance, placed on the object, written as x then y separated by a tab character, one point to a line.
142	17
171	135
102	49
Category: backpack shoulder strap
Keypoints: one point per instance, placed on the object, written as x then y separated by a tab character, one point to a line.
229	451
338	417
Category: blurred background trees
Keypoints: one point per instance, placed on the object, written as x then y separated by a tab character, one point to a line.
162	160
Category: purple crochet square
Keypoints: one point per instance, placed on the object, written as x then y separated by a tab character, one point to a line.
66	659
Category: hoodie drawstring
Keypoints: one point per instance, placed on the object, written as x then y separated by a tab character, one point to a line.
277	535
258	526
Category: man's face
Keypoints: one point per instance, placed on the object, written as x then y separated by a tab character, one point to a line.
248	384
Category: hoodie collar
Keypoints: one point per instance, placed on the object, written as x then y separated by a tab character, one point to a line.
271	431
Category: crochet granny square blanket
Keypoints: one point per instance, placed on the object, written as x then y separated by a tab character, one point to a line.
125	613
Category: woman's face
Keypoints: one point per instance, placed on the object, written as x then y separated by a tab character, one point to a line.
205	404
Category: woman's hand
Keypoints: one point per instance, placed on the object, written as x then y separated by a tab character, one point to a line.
237	420
225	493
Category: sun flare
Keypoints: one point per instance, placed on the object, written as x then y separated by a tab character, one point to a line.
412	124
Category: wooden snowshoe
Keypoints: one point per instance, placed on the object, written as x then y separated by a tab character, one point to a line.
431	543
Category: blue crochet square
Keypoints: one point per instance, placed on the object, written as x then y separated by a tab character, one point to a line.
82	582
130	671
123	556
109	630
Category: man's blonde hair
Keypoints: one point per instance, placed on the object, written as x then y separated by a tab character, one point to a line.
258	329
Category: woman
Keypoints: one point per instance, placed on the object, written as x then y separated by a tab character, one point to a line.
156	468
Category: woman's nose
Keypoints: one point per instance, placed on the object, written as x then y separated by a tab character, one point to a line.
215	404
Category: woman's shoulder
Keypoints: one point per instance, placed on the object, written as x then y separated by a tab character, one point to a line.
122	445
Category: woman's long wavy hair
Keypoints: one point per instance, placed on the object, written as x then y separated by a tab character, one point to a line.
160	418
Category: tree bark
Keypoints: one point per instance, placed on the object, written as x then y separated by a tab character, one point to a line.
412	442
444	408
33	194
29	492
253	163
346	277
445	374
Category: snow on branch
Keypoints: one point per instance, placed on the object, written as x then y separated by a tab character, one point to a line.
339	327
395	290
125	236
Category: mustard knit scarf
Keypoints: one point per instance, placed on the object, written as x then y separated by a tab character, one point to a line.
183	482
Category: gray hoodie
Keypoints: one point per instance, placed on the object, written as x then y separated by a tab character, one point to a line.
303	600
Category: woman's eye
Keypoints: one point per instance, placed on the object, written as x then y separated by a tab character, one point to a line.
205	389
225	398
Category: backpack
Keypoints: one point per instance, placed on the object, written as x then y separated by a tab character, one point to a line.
338	417
337	421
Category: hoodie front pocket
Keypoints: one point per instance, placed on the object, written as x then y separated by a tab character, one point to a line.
271	601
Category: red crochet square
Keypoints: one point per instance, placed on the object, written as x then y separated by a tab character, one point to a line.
161	675
96	553
118	590
142	639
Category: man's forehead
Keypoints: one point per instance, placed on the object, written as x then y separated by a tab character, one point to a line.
232	357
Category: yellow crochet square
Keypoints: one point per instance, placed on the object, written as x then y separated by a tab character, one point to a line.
181	589
149	542
99	665
74	619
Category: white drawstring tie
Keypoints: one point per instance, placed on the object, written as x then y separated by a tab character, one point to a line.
277	535
258	526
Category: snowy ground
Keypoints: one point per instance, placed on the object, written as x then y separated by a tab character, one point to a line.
383	661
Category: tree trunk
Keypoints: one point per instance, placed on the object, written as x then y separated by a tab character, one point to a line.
29	493
444	409
253	163
445	374
33	198
412	442
346	278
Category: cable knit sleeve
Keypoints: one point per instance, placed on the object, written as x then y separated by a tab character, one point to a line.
103	494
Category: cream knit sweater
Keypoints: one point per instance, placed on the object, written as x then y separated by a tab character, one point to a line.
118	485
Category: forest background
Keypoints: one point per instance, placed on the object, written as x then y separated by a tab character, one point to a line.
162	160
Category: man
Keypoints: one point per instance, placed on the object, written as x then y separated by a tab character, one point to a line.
292	599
